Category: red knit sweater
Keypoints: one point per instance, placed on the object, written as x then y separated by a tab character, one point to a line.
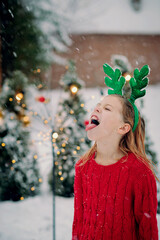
117	201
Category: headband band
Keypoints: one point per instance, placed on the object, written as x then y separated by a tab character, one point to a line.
136	116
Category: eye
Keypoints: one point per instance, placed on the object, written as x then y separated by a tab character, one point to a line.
107	109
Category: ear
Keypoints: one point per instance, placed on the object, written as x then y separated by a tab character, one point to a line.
124	129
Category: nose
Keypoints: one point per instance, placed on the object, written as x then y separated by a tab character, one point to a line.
97	108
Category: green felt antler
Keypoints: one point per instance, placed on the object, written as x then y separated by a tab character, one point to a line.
114	81
138	82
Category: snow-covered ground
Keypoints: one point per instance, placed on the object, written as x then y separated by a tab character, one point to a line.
32	218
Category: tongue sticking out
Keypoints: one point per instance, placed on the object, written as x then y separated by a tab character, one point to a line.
94	123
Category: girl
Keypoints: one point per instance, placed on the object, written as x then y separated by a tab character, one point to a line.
115	191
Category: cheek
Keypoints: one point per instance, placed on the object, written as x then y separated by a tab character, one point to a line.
110	121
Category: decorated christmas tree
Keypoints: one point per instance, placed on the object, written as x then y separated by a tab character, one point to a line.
19	174
70	139
32	35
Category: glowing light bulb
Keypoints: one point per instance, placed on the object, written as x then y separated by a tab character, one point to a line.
59	120
35	156
32	188
40	86
26	119
55	135
45	121
71	111
19	96
73	89
128	77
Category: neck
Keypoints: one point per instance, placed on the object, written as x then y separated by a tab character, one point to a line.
108	151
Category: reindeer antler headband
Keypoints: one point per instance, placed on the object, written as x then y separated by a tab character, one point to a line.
137	83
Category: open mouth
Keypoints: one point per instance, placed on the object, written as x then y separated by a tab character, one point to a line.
94	121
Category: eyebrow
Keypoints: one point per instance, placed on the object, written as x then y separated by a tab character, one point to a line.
104	104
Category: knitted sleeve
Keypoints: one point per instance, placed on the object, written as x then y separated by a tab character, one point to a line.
78	204
145	206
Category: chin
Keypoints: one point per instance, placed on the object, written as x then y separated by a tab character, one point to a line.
91	136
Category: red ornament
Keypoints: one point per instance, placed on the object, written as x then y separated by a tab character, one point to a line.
41	99
86	122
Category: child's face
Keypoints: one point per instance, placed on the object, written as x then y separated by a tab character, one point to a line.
109	113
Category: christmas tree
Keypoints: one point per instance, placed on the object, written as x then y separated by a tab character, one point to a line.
70	141
19	174
32	35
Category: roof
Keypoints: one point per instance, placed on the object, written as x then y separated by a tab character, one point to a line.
116	17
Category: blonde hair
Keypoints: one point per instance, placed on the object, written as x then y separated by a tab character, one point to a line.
131	141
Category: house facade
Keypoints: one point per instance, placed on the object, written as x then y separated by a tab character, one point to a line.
123	31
